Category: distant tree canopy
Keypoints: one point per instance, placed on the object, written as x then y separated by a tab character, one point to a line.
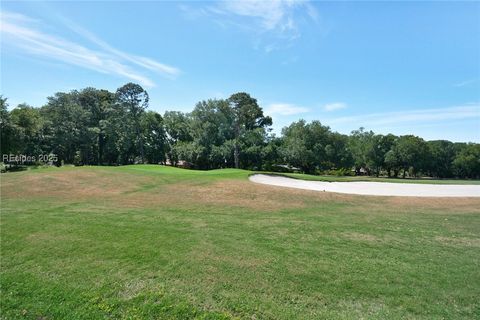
312	146
98	127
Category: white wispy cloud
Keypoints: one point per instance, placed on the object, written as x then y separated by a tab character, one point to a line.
271	14
274	22
410	117
334	106
22	32
284	109
144	62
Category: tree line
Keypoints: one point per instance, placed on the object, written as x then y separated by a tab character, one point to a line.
98	127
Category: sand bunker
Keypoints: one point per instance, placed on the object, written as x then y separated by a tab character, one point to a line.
372	188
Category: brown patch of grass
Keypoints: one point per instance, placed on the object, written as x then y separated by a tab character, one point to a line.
443	205
130	190
232	193
120	190
71	185
243	194
459	242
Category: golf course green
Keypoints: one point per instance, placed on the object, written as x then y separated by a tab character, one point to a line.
155	242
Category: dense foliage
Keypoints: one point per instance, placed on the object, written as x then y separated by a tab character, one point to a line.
98	127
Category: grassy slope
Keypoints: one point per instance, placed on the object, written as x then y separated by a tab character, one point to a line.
375	179
146	242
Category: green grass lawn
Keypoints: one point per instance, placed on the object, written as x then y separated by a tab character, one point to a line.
152	242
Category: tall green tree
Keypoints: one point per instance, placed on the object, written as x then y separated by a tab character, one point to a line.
376	150
271	153
247	116
7	129
178	129
412	153
134	99
119	137
99	105
467	162
65	125
442	155
337	152
154	135
361	144
306	145
211	127
392	162
29	129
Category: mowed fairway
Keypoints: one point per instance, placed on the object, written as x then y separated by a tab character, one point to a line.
151	242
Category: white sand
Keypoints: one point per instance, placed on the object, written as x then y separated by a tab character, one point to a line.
372	188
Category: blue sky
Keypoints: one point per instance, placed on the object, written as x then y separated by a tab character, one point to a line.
400	67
